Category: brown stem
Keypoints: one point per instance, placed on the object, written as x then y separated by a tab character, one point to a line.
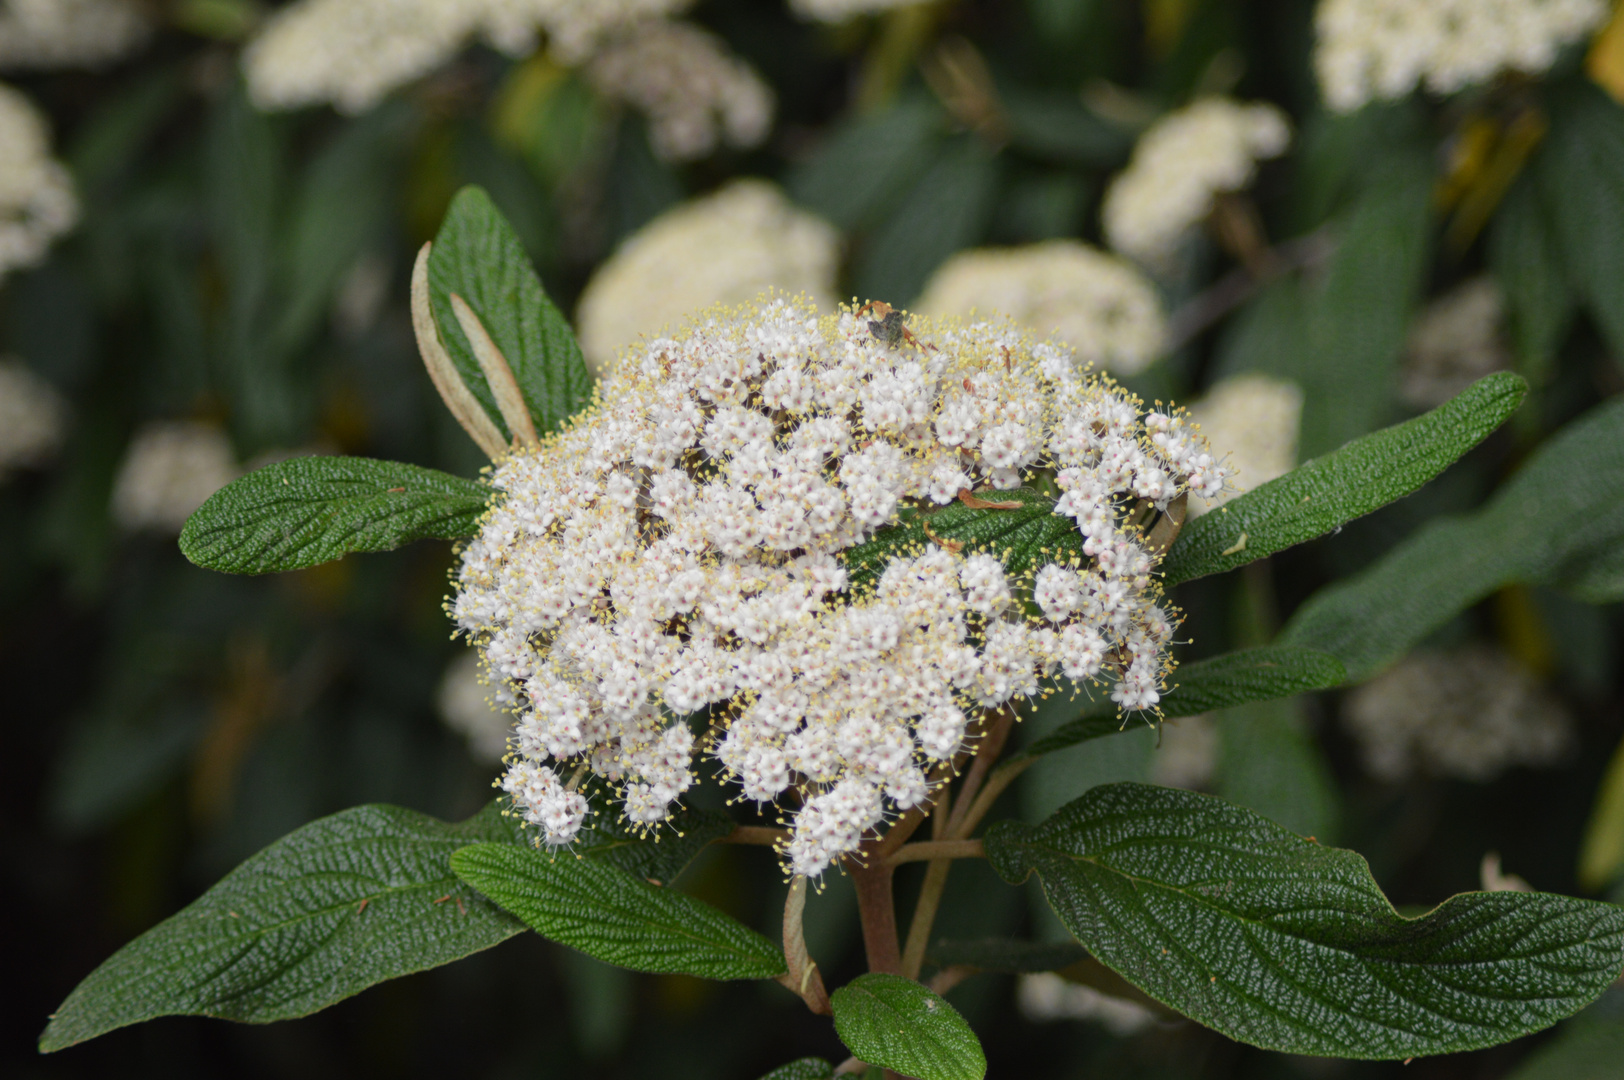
992	744
924	916
876	907
938	850
802	977
949	977
755	834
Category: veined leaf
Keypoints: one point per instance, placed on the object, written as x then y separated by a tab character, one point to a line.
478	256
312	510
898	1024
1321	495
609	914
1540	522
1277	941
1260	674
1019	537
1589	1047
323	913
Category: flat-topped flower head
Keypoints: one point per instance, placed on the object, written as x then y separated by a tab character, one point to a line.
681	547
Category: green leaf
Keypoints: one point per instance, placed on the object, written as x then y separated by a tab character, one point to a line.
1580	170
1357	317
896	1023
1566	504
312	510
1269	761
1277	941
945	211
1260	674
1005	956
609	914
1018	537
804	1069
1589	1047
863	169
1540	304
657	859
478	256
1601	852
323	913
1321	495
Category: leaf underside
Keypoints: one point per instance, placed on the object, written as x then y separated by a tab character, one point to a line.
321	914
618	918
311	510
478	256
1277	941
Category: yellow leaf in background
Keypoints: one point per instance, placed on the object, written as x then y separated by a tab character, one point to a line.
1164	24
1605	62
1601	855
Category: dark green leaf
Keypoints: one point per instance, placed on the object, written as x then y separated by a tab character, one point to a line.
1261	674
1321	495
1356	319
609	914
312	510
1277	941
804	1069
1565	504
1588	1047
945	211
1017	537
1270	762
659	858
1059	126
1008	957
325	912
478	256
1580	170
859	174
896	1023
1527	265
1595	577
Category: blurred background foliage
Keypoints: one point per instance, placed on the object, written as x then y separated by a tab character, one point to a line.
247	270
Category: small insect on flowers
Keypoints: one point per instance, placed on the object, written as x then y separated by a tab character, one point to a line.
889	328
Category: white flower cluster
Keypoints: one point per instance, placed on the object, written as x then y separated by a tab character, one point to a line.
1180	166
676	549
1472	713
32	418
838	11
1098	304
1370	50
1454	342
1256	418
724	248
694	91
353	52
38	34
169	470
37	202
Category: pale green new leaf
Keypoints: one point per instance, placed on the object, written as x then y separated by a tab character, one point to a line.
1280	942
311	510
1324	494
1564	506
478	256
898	1024
618	918
323	913
1260	674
